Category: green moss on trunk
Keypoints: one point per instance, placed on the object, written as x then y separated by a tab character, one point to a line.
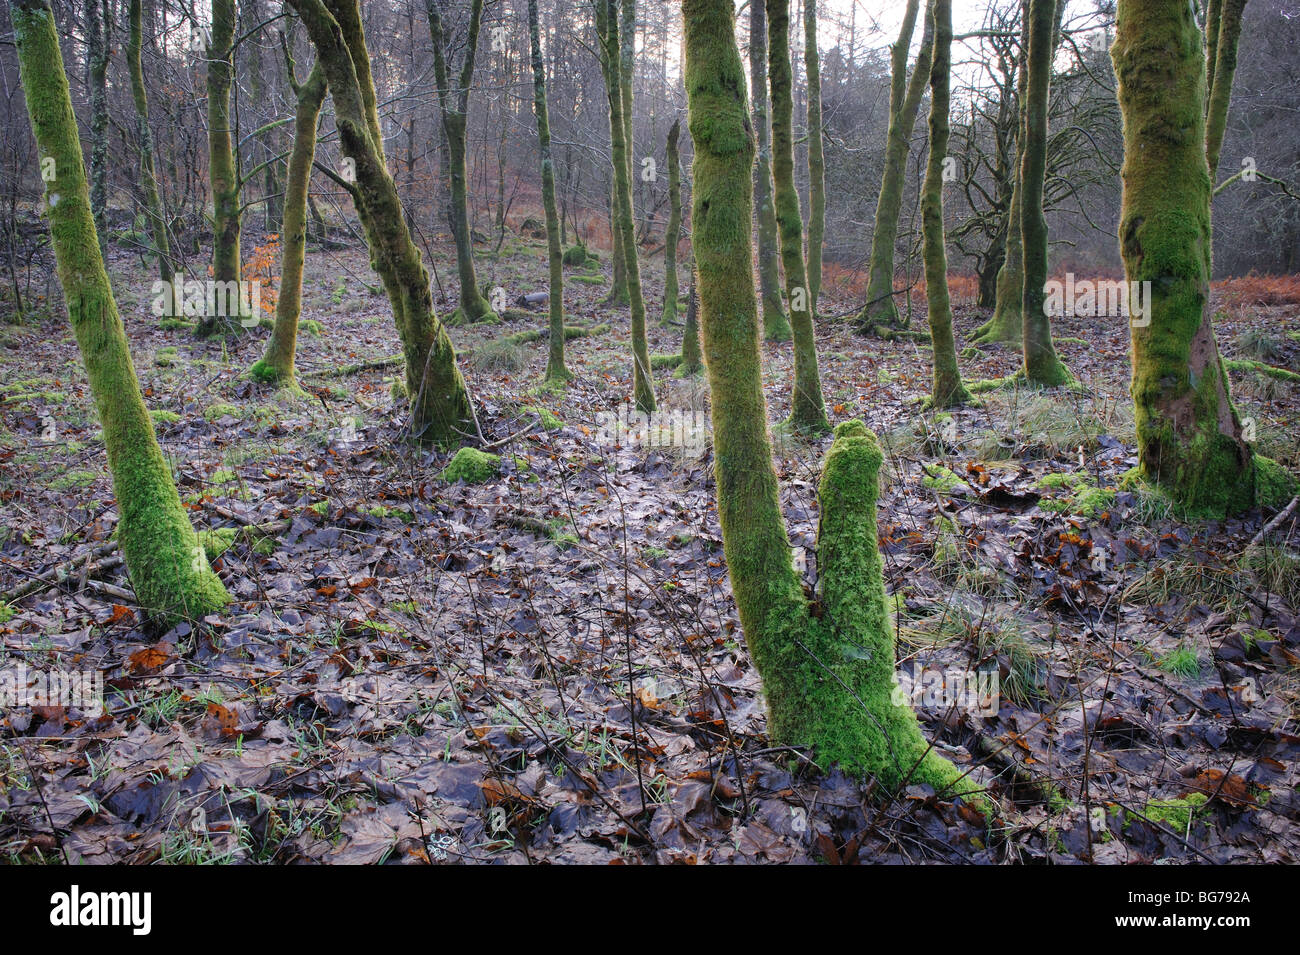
277	364
223	176
904	101
816	157
642	380
144	142
440	405
1040	365
1226	31
1189	436
807	407
947	389
167	565
673	234
776	326
454	107
829	681
1007	324
691	362
555	370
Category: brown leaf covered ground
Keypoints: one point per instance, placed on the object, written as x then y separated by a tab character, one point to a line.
548	668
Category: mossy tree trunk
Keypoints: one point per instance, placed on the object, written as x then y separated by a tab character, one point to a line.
691	359
454	107
144	142
98	25
776	326
167	565
440	405
947	389
807	408
555	369
1040	365
223	174
828	679
277	364
816	155
904	101
607	25
1223	24
611	69
674	232
1007	323
1189	435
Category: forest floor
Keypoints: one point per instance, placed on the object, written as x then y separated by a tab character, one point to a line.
547	667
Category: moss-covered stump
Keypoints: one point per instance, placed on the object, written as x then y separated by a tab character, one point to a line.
471	466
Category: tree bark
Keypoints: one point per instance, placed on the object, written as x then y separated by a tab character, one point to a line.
904	101
776	326
1189	435
807	407
168	568
277	365
440	405
947	389
828	679
223	174
454	106
144	138
673	234
816	156
555	369
1040	365
1226	31
642	381
1007	323
98	26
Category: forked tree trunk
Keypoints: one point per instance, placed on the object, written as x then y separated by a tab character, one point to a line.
904	101
776	326
144	142
440	405
1189	435
947	388
1040	365
276	366
807	408
167	565
555	370
828	678
816	157
673	234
